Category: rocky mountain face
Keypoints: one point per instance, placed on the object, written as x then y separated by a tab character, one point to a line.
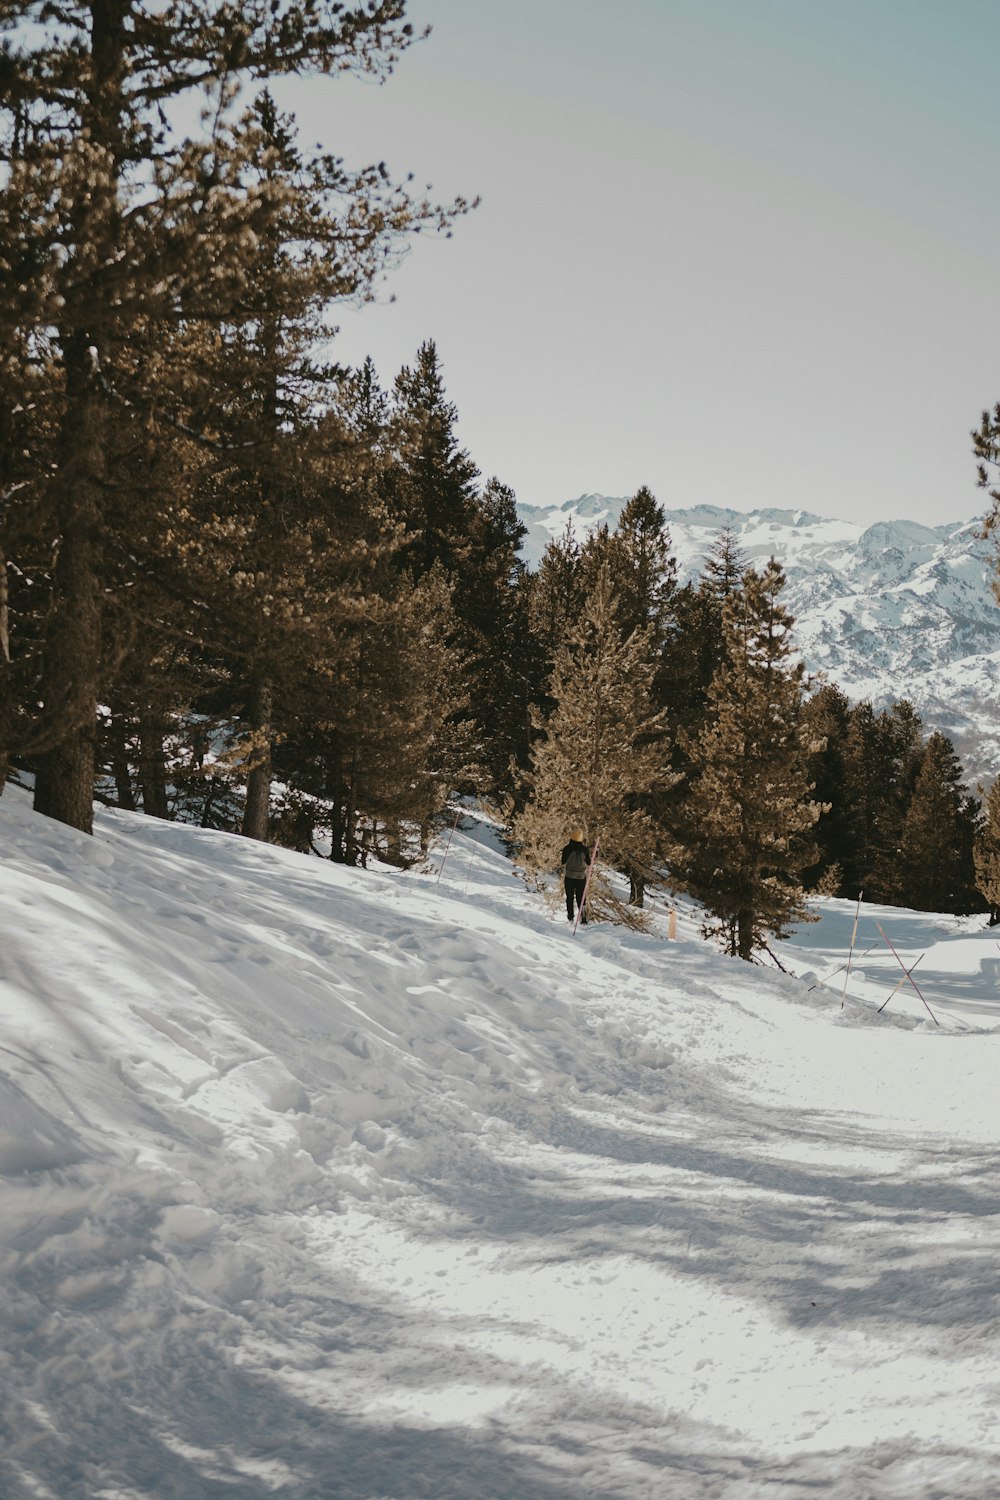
893	610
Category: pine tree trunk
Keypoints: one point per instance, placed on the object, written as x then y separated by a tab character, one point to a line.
337	829
257	813
351	815
637	891
207	805
152	768
393	842
744	935
64	781
120	768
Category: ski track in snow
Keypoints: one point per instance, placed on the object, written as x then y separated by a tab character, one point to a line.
330	1183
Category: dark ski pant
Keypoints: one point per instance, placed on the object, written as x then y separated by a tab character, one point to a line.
575	889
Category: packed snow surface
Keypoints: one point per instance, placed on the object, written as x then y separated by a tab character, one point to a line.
358	1185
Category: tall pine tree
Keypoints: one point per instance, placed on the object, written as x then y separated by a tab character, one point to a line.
880	761
826	717
436	479
749	816
986	853
474	535
644	568
937	871
601	752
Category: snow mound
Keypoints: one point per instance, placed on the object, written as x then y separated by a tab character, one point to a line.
320	1182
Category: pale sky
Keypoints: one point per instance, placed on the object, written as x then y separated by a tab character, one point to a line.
742	251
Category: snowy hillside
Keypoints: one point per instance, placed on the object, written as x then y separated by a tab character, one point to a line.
894	610
327	1183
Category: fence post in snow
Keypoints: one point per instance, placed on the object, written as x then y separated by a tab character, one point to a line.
854	933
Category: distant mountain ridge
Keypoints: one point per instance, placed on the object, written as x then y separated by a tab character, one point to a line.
888	611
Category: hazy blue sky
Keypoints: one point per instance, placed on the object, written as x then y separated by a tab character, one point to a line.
742	251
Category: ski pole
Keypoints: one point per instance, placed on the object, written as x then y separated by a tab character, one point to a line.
586	885
912	981
899	984
448	845
834	972
854	933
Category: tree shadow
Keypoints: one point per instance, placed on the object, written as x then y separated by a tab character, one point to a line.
697	1206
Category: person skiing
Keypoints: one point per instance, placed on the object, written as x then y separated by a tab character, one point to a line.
575	859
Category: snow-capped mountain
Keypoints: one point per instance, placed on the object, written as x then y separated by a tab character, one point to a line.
893	610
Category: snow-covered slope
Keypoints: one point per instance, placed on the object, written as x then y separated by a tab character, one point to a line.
325	1183
894	610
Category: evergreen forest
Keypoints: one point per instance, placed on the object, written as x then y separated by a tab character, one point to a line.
247	586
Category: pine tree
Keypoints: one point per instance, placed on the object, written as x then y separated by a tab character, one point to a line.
501	655
22	267
724	567
28	392
987	853
986	447
749	815
474	535
128	226
384	740
644	578
826	718
937	871
881	756
276	556
644	569
693	652
557	594
436	483
426	739
698	642
601	752
865	791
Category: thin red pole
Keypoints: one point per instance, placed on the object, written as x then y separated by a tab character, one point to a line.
899	984
586	885
908	975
